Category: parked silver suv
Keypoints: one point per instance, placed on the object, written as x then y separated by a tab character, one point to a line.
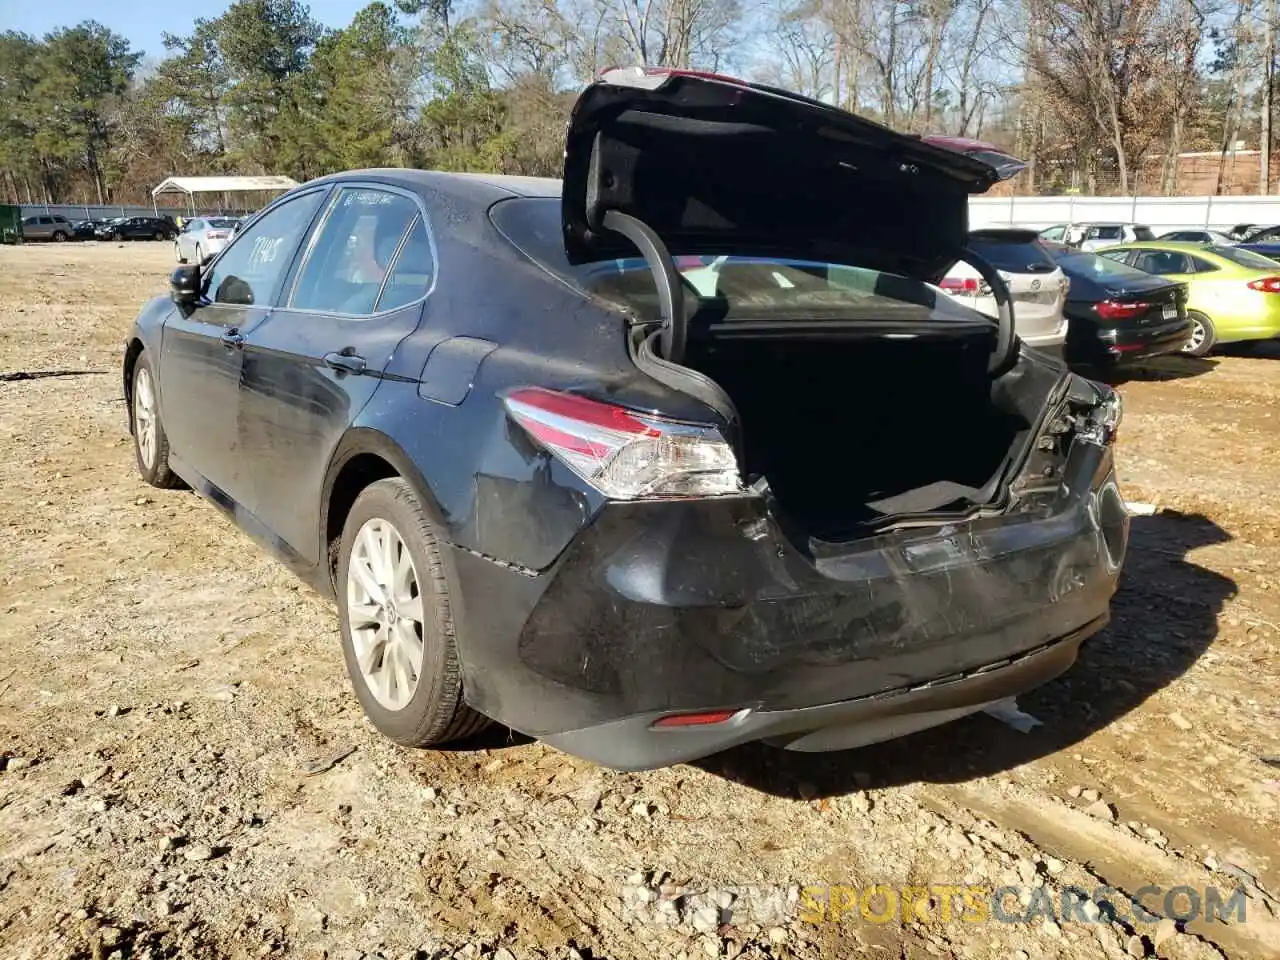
47	227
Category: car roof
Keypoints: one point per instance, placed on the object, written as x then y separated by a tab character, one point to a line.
1190	246
470	186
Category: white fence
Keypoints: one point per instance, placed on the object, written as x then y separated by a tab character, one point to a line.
1159	213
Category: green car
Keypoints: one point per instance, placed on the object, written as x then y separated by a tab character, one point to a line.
1232	294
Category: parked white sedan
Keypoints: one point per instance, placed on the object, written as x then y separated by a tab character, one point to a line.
202	237
1037	285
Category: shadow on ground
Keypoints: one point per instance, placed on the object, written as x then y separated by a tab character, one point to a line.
1252	349
1174	366
1164	616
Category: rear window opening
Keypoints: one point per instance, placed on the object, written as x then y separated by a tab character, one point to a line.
1012	256
878	407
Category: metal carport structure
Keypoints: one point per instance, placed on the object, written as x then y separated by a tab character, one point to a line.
190	186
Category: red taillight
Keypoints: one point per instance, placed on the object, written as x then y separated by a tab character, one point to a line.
966	285
1266	285
626	454
695	719
1113	310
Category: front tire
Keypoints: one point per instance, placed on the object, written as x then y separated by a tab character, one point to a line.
397	622
1203	335
117	237
150	445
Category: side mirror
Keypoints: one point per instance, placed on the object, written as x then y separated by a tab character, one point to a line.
184	285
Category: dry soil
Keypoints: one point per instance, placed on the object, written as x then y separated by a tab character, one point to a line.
184	771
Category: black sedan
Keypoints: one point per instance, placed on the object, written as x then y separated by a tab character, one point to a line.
1117	314
647	462
138	228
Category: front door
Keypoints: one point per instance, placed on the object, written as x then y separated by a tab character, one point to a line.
201	352
315	362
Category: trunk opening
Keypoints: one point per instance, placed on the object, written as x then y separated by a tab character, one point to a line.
851	431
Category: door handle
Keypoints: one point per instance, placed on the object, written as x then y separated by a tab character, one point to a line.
232	338
344	362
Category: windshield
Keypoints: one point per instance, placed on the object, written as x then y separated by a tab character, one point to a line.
221	223
1088	266
1243	258
759	287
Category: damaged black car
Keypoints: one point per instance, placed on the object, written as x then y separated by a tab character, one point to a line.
683	451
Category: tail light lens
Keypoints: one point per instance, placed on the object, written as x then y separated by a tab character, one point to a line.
625	454
966	285
1266	285
1112	310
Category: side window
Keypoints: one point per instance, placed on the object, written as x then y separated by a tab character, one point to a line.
1201	265
1108	233
414	269
1163	262
1053	233
247	272
353	251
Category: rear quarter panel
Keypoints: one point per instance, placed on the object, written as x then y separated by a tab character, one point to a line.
492	491
1236	311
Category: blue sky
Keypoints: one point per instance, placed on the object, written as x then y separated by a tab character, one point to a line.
142	21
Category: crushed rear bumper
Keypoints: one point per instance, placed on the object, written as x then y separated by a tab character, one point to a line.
687	606
635	744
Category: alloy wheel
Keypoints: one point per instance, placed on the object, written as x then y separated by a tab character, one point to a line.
384	606
1198	333
144	416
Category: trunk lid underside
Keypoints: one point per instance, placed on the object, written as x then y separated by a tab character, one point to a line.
718	166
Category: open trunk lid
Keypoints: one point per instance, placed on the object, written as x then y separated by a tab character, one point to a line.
714	166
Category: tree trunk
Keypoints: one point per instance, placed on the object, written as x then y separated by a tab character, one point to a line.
1268	80
1230	121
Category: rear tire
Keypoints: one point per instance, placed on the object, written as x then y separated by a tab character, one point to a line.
59	237
157	236
150	445
1203	335
396	619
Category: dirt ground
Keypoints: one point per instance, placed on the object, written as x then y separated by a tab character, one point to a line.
185	772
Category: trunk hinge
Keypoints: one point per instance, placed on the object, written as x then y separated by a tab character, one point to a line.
665	275
1006	351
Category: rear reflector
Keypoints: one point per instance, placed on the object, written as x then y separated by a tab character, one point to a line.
626	454
1113	310
1266	285
695	719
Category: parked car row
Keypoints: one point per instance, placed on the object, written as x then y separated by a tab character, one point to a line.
194	238
59	229
1122	302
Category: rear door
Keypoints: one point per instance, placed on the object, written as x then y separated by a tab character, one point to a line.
201	347
310	366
